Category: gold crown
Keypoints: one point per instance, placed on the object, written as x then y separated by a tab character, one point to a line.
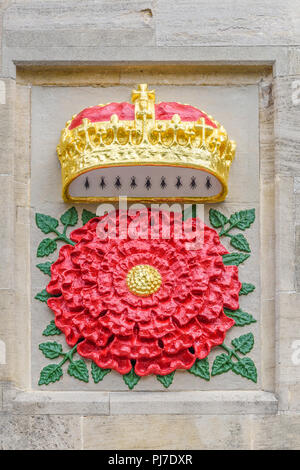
200	144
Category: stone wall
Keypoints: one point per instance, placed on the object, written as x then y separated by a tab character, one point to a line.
107	44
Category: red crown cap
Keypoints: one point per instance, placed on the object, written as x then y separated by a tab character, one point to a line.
125	111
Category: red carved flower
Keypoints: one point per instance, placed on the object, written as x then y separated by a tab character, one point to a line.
102	302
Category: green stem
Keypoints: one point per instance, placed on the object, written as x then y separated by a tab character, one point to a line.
222	233
68	355
231	352
63	237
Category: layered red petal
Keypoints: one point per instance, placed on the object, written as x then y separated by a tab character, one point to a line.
157	334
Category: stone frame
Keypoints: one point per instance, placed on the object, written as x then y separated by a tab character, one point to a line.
277	187
262	401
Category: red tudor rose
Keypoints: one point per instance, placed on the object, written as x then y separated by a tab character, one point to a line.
151	303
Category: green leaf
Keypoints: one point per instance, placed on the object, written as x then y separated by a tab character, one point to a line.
51	329
200	368
98	373
46	247
234	259
46	223
166	380
221	364
79	370
131	379
242	219
246	368
241	318
51	349
51	373
243	343
240	243
43	296
45	267
217	219
246	288
70	217
86	216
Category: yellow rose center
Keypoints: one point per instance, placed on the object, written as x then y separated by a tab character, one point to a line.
143	280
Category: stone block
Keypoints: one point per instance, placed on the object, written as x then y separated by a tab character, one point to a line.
6	231
268	344
95	24
297	257
279	432
227	23
22	136
285	233
288	351
202	403
7	129
266	132
286	125
58	403
39	432
294	61
8	338
166	432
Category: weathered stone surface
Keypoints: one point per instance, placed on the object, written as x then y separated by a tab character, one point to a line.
67	24
266	132
294	61
297	185
7	334
146	22
7	100
227	23
192	432
21	366
6	232
22	136
285	233
286	124
268	278
218	403
288	351
212	55
39	432
3	6
267	341
280	432
130	75
166	432
193	75
297	257
57	403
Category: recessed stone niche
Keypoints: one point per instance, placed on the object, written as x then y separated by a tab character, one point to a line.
235	101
